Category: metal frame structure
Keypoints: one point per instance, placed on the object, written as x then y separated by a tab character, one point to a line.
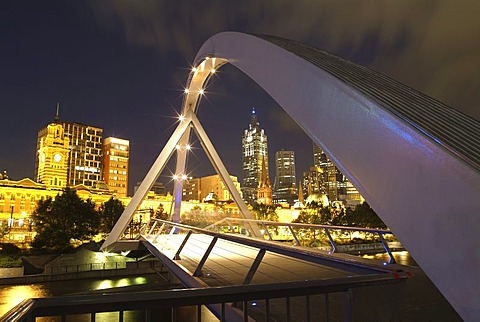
415	160
230	222
263	294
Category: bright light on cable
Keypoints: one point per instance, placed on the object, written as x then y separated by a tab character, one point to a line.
188	147
201	91
181	118
177	146
194	69
186	91
175	177
213	71
184	177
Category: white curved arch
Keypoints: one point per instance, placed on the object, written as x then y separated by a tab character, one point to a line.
423	192
427	193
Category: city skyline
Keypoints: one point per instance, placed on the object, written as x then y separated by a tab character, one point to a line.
126	76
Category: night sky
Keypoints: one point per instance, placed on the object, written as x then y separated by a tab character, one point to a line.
121	66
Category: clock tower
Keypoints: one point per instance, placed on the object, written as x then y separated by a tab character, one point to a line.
52	156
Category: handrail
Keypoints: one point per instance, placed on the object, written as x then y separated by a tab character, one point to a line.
326	228
109	302
303	225
302	253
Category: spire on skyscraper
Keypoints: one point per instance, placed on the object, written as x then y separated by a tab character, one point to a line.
253	120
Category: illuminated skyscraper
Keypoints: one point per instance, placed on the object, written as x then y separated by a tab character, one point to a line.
85	158
285	190
332	180
334	184
255	150
115	165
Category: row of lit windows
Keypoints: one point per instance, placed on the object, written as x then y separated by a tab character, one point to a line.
117	178
118	172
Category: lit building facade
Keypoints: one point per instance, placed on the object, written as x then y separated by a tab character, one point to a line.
71	148
313	182
334	184
199	188
85	159
51	166
285	190
254	151
115	165
264	189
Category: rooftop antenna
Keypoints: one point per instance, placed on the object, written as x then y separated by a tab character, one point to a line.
58	109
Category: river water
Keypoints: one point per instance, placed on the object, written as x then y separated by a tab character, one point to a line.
11	295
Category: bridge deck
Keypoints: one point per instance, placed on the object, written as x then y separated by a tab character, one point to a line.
229	263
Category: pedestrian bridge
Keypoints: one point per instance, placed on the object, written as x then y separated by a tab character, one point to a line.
415	160
230	275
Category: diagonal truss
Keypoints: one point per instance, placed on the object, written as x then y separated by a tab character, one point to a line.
180	136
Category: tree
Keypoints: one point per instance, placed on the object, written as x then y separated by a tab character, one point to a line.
264	212
109	213
62	219
364	216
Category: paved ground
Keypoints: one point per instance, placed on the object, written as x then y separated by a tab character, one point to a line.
228	264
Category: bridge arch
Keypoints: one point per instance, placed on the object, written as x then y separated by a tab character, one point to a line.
415	160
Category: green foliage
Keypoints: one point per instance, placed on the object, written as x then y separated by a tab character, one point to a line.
109	212
4	230
160	213
9	249
201	218
264	212
67	217
9	262
364	216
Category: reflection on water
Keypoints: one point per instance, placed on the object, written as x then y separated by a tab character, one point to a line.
403	258
14	294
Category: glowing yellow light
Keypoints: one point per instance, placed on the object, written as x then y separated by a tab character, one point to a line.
188	147
184	177
175	177
186	91
201	91
177	146
194	69
181	118
213	71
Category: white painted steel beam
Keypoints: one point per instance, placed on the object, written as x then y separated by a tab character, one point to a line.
425	191
146	184
223	173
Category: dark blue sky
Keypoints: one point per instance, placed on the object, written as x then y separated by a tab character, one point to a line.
121	66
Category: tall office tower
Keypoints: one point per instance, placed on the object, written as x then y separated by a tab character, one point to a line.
51	163
313	182
115	165
285	190
83	157
335	184
255	150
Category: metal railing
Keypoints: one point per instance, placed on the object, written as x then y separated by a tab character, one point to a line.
232	223
87	267
250	301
